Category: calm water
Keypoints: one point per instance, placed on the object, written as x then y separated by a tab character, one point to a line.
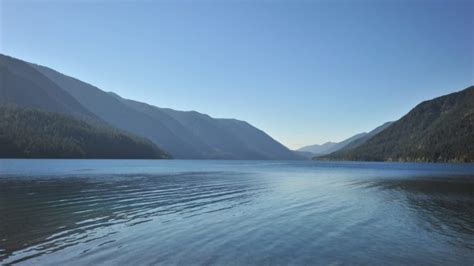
67	212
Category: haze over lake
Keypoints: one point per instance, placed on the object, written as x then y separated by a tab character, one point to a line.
80	212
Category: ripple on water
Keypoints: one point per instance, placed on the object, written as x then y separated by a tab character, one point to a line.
279	213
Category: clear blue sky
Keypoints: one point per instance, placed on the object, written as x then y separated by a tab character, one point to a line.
303	71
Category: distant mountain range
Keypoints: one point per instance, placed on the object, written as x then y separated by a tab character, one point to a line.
438	130
330	147
187	135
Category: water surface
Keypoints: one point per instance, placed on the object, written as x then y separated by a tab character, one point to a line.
68	212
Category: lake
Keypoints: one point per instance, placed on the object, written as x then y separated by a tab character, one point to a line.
121	212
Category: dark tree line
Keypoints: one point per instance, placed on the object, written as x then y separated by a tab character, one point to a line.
31	133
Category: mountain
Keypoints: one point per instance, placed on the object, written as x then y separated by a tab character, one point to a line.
329	147
437	130
23	85
187	135
118	114
364	137
305	154
215	138
31	133
319	149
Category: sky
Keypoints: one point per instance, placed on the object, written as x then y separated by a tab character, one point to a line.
305	72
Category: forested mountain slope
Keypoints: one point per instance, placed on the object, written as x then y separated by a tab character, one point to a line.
32	133
438	130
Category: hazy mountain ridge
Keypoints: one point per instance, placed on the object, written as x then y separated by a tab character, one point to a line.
24	86
305	154
437	130
190	135
216	138
319	149
329	147
363	138
117	113
32	133
25	90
